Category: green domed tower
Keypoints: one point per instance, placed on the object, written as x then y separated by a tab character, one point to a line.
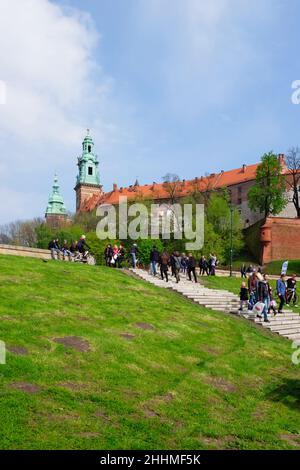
56	213
88	181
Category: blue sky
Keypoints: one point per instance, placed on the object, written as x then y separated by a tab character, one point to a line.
177	86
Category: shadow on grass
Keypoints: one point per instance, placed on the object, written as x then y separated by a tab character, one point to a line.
287	393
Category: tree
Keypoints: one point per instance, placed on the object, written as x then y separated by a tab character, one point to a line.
268	193
293	164
218	219
22	232
172	185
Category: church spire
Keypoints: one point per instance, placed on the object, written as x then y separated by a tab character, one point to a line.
88	181
56	204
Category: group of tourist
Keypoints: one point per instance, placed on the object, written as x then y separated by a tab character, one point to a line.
165	262
259	293
114	255
180	264
74	251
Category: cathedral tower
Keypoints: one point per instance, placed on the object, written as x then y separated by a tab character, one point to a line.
88	182
56	214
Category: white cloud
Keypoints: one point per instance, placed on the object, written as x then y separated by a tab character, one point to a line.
54	90
46	62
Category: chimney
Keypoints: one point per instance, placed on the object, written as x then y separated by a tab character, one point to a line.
244	168
281	159
115	187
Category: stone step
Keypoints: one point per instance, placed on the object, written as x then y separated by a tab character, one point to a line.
278	324
213	298
286	331
292	336
222	300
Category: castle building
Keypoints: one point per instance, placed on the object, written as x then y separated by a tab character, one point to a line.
266	236
88	181
56	214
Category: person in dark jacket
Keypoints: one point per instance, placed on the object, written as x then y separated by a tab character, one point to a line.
291	295
244	297
172	264
184	261
65	250
191	268
154	259
108	254
243	271
177	265
73	248
133	254
164	264
82	246
281	291
263	294
54	248
203	265
121	256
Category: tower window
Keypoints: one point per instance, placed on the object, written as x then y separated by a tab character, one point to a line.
90	170
89	148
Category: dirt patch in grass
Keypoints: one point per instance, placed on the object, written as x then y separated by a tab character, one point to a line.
291	439
216	442
101	414
75	342
210	350
7	318
72	386
106	418
144	326
82	318
202	324
221	384
91	435
150	413
127	336
18	350
25	387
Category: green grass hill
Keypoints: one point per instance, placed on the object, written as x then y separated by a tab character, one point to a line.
99	360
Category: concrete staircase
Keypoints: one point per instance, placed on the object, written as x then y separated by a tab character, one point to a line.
220	300
286	324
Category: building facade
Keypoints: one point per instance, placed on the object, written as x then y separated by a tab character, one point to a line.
89	195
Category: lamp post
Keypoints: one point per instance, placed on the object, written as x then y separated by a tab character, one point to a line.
231	238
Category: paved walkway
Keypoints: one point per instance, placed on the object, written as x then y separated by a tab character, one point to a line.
286	324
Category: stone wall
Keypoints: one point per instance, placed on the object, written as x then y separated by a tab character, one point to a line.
280	239
24	251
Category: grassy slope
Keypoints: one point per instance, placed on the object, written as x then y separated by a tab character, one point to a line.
275	267
199	379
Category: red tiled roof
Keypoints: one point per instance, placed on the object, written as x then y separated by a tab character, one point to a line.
158	191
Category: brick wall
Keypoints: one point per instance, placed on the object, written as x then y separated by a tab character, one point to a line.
280	239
